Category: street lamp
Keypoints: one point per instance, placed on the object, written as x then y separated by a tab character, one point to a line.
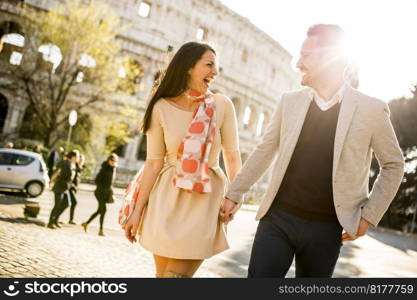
72	119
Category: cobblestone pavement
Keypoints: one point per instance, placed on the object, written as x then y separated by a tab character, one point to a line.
29	250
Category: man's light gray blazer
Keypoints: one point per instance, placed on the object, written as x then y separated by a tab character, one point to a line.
363	127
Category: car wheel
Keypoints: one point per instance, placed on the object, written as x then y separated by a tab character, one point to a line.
34	188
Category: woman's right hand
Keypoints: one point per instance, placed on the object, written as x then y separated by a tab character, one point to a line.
132	225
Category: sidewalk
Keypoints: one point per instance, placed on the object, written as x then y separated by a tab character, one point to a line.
29	250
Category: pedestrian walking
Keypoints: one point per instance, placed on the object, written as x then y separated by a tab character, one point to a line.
70	196
104	191
62	179
73	189
183	185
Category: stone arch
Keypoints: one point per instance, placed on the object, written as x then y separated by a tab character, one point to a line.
12	40
237	105
49	57
250	118
260	124
10	26
4	108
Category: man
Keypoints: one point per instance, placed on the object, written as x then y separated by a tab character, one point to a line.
64	176
70	197
323	136
53	158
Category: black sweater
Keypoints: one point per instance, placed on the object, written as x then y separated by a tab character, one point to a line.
306	190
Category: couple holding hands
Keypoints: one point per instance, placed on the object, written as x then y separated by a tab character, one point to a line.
320	140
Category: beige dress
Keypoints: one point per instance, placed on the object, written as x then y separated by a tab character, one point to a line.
176	223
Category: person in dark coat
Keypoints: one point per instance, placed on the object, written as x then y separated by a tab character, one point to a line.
64	175
70	196
73	189
104	191
53	160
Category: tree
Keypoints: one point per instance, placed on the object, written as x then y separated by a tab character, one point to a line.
71	60
118	135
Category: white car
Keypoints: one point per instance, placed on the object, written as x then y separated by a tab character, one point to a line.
24	171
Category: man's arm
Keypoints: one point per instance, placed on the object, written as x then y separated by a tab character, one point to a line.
388	153
260	159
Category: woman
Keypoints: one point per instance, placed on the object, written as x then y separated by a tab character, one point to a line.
182	184
79	165
104	191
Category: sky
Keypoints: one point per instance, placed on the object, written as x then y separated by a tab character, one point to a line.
382	35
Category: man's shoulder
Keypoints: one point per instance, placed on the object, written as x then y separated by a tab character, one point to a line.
366	101
296	94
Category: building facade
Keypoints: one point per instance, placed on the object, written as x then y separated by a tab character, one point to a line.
254	69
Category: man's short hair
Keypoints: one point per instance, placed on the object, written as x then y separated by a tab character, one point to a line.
328	34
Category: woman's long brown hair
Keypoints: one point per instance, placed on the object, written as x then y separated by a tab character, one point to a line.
174	81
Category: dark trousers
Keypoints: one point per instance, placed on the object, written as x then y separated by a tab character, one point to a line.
281	236
101	210
73	203
59	199
67	199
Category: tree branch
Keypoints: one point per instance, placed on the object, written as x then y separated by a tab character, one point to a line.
32	101
78	108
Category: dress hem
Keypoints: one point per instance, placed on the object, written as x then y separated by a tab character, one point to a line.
170	255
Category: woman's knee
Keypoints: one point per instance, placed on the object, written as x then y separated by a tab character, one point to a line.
181	268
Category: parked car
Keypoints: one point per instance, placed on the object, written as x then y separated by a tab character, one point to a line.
24	171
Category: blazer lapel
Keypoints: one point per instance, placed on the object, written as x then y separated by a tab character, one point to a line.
296	117
347	110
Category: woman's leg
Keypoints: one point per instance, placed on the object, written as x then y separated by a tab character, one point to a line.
181	268
62	207
160	265
102	210
55	209
73	204
94	215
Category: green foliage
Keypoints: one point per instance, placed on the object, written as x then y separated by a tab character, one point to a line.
82	70
118	134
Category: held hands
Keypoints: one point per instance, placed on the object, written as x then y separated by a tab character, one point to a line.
132	225
362	229
228	210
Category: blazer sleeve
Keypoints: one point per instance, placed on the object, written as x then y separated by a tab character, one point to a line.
391	161
260	159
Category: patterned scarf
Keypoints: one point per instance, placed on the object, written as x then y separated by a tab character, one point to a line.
191	170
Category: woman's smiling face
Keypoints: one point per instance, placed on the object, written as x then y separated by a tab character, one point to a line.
204	71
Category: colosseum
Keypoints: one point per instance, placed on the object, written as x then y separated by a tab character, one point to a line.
254	68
